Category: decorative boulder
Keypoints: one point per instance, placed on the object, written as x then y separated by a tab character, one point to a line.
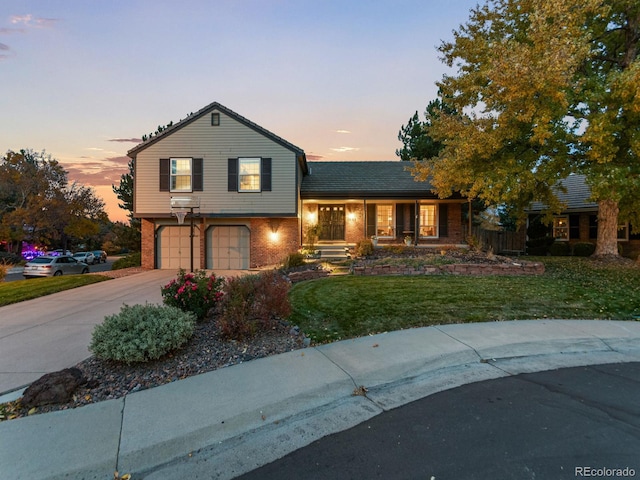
53	388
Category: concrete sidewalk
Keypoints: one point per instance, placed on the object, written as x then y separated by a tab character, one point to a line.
235	419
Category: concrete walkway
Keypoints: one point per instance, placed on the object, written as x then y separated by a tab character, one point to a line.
238	418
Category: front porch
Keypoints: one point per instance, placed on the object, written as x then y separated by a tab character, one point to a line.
340	224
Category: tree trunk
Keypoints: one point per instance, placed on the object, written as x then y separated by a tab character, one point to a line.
607	229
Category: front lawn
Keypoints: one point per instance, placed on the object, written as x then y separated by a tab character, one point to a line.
21	290
336	308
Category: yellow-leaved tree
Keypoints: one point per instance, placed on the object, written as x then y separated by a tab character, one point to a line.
542	89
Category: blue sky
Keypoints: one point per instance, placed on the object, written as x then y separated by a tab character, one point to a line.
83	80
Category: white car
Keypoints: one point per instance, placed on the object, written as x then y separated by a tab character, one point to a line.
49	266
86	257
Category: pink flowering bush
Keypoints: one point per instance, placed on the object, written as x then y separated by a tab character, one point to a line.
194	292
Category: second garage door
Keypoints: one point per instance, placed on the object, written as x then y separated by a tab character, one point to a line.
228	248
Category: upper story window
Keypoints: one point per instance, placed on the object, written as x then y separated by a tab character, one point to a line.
249	175
181	174
561	228
428	223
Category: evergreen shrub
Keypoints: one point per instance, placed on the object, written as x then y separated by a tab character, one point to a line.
141	333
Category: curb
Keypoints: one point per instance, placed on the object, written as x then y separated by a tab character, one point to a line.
232	420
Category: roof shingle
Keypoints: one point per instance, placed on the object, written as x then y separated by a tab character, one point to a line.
362	179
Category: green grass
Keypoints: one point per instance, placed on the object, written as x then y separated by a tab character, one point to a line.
21	290
350	306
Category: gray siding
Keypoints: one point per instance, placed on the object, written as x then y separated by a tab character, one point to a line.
215	145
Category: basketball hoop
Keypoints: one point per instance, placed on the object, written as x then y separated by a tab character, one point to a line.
180	215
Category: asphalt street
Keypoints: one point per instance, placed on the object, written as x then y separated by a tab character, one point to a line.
563	424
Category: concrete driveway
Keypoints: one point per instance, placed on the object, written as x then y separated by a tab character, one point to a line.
53	332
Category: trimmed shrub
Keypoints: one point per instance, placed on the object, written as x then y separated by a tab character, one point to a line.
293	260
252	303
141	333
540	246
132	260
193	292
364	248
560	249
584	249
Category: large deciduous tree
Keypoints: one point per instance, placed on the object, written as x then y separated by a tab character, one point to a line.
37	203
546	88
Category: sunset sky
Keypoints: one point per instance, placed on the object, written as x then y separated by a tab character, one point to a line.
85	80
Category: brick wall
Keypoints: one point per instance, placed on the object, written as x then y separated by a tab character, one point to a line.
520	268
269	249
148	243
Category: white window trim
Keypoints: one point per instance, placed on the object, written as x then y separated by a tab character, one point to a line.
252	159
393	219
624	226
172	176
436	220
565	228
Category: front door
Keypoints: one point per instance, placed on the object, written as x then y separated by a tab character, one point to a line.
331	220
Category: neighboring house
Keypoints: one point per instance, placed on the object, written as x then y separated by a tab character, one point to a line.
578	222
221	192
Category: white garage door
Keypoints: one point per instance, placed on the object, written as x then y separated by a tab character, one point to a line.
228	248
174	248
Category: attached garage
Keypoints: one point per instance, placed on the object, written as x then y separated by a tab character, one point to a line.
174	247
228	247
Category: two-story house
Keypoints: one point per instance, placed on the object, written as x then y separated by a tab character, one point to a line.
217	191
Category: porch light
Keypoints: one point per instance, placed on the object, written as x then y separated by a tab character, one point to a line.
351	216
273	236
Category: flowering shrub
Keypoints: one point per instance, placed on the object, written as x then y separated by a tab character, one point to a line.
194	292
252	303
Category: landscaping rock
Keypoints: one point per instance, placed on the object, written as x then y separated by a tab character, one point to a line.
53	388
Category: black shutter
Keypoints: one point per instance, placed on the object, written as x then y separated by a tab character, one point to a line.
197	175
400	221
164	175
232	184
574	227
593	227
443	220
265	174
371	220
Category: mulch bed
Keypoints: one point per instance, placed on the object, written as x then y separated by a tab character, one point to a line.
206	351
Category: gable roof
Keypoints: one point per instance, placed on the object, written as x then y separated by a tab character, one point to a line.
386	179
575	198
215	106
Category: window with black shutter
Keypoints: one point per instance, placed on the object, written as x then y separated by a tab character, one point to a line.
443	220
574	227
164	174
232	172
249	174
197	175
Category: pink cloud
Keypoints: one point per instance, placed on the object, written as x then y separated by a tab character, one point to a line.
98	172
314	157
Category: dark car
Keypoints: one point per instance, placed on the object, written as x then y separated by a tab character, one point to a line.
50	266
101	256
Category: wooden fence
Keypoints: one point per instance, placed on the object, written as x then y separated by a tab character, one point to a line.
500	242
